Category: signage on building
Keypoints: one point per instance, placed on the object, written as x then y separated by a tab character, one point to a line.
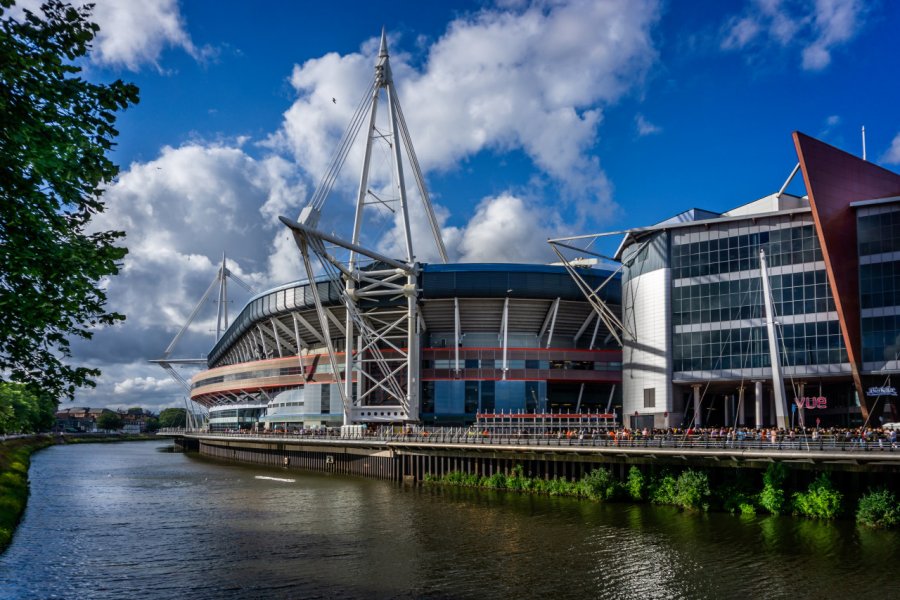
811	402
885	390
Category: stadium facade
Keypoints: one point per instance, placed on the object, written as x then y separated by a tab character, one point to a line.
495	338
696	348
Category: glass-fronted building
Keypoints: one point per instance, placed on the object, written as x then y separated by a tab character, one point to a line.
696	348
878	236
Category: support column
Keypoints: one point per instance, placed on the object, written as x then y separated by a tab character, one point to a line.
758	404
741	408
801	388
728	402
698	415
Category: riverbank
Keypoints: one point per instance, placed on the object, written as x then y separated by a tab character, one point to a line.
692	490
15	458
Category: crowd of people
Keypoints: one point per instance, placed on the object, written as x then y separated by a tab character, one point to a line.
862	438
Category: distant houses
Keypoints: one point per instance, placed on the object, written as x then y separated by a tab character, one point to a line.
82	419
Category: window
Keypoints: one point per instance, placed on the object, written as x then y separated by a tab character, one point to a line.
326	399
649	397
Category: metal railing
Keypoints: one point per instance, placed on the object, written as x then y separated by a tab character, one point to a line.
825	442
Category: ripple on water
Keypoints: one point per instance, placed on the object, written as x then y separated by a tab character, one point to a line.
166	525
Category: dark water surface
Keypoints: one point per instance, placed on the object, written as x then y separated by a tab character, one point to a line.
128	521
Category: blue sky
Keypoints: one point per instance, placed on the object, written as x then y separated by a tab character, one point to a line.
531	120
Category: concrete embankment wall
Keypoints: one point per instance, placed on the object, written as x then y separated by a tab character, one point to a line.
378	463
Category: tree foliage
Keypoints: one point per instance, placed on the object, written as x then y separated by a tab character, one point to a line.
25	411
109	421
55	133
172	417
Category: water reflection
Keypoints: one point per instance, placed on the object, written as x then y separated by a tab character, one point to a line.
135	523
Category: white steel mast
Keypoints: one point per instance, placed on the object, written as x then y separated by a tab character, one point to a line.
781	413
381	350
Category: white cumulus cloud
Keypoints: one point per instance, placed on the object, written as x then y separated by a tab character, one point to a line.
892	155
815	27
133	32
533	78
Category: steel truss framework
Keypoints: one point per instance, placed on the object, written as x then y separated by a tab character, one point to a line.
383	322
196	412
617	328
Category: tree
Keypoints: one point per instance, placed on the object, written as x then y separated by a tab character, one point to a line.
54	136
172	417
23	410
109	421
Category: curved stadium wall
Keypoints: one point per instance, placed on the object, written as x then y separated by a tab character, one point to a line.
271	368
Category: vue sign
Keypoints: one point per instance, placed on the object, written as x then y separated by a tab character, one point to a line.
811	402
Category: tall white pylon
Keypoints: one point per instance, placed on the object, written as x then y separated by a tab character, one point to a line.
221	279
382	345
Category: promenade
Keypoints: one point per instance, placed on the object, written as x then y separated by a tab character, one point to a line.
837	449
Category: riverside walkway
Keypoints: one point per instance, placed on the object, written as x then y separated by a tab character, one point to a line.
825	449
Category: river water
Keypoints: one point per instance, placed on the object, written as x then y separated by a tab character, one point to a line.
130	521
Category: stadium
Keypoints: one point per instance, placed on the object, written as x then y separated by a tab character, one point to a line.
494	338
780	312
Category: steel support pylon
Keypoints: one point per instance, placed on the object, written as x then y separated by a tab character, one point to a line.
379	381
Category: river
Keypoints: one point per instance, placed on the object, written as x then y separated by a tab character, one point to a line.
131	521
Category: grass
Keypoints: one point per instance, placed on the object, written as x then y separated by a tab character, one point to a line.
15	457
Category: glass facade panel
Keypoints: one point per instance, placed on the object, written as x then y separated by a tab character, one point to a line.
879	284
720	289
878	236
788	246
879	233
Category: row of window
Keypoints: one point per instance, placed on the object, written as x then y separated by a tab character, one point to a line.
879	233
879	284
259	373
748	347
793	293
469	397
881	338
490	363
795	245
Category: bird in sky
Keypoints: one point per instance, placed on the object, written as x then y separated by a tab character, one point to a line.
334	101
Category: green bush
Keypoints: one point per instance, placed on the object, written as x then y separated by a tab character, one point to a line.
496	481
692	490
663	490
820	500
878	508
772	496
517	480
599	484
635	484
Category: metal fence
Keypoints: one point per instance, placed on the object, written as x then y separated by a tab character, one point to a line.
825	442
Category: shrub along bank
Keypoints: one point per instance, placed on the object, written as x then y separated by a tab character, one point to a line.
692	490
15	456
